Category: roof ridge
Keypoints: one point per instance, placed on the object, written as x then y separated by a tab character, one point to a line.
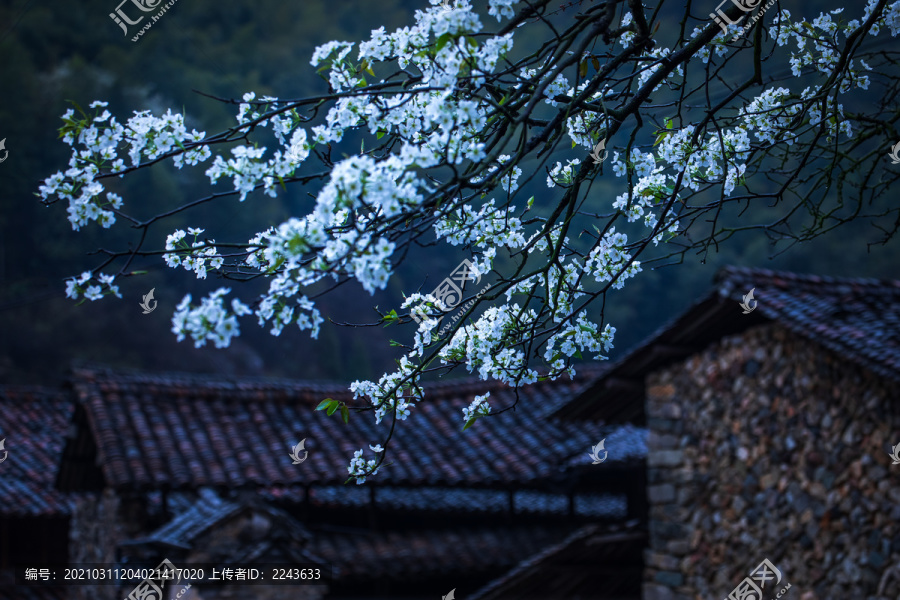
210	380
729	273
88	375
35	388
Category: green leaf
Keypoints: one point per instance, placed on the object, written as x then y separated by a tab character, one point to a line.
391	318
469	423
380	133
324	404
583	68
333	407
596	63
345	414
77	107
443	41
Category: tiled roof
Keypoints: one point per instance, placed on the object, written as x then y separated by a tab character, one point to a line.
360	554
34	421
470	501
210	511
856	318
593	562
205	513
406	555
181	431
859	319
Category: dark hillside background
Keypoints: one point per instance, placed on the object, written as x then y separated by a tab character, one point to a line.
52	51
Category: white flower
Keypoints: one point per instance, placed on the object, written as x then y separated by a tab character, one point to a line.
478	408
93	292
72	289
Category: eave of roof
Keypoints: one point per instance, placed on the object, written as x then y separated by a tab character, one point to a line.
600	540
176	431
35	421
820	309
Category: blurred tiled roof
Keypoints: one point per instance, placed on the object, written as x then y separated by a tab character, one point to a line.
368	554
406	555
34	421
859	319
209	512
181	431
593	562
470	501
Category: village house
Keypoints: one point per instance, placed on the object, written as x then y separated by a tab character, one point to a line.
768	464
770	439
197	469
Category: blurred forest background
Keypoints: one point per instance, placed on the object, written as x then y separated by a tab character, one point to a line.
53	51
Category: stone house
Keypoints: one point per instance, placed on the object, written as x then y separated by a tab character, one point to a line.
770	436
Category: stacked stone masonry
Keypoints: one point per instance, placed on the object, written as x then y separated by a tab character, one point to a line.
767	445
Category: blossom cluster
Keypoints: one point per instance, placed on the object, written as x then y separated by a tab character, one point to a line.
563	175
196	257
478	408
394	392
210	321
360	468
489	227
609	259
98	144
580	336
83	286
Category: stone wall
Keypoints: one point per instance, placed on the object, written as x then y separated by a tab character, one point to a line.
94	532
242	532
768	446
